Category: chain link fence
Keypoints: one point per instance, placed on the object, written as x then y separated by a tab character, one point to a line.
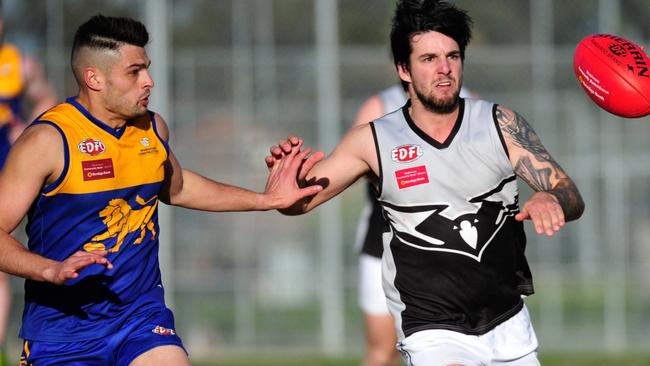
244	73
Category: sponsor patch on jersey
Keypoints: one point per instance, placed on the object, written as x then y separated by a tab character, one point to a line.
147	148
412	176
91	147
406	153
159	329
98	169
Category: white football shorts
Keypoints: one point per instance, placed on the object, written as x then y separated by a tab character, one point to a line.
511	343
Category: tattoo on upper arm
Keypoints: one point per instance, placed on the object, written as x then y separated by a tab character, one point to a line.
538	168
541	169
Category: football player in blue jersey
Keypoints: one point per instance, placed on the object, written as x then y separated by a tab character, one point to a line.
89	173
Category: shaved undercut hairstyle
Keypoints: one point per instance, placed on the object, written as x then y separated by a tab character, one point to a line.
107	33
413	17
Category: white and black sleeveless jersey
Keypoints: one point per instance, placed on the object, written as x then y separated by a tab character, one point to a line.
372	224
454	256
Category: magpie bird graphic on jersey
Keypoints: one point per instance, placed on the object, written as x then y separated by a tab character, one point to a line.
467	233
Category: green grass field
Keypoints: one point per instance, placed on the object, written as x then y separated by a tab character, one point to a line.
546	360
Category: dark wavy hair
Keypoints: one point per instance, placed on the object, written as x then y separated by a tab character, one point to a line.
413	17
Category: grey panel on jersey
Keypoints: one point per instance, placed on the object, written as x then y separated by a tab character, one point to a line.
372	224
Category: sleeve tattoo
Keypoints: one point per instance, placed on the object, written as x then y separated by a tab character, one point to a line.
538	168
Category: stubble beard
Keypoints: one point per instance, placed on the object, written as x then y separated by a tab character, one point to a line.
438	105
139	111
121	106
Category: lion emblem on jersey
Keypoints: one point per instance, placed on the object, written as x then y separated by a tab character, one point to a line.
121	219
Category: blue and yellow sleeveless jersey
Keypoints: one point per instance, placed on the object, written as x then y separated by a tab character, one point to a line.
11	91
105	198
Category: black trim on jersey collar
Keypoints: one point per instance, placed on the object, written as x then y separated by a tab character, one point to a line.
429	139
111	131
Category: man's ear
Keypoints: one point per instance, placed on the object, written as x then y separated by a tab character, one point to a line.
404	73
93	78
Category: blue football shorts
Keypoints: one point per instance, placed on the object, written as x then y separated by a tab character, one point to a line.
140	334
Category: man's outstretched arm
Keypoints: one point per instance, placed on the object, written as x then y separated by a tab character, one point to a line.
188	189
354	157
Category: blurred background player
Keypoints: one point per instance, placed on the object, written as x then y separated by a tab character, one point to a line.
21	77
379	326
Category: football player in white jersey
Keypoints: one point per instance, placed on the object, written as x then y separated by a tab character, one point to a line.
454	270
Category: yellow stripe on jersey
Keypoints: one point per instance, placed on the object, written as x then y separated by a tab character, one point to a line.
99	161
